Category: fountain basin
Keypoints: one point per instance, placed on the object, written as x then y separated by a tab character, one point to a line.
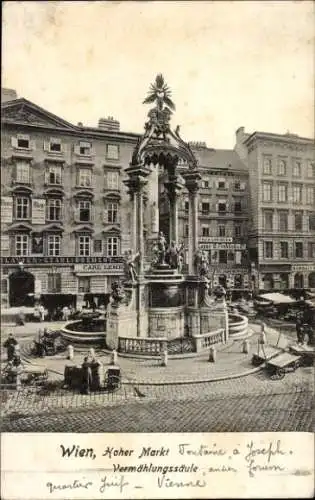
80	332
238	325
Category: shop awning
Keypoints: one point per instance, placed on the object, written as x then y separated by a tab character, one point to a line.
277	298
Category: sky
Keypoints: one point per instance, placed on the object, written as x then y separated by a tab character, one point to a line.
228	64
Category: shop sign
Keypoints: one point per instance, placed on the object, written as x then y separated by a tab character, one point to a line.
213	239
61	260
99	268
303	267
38	211
222	246
6	209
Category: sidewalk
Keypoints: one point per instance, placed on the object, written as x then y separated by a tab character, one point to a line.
230	361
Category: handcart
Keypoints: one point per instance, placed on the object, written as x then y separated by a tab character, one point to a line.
285	362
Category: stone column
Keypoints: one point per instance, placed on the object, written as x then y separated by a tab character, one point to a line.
173	188
192	184
134	221
140	242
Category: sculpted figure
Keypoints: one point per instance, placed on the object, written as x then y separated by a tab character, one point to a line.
161	248
130	271
174	255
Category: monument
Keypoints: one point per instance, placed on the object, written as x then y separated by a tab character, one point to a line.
162	303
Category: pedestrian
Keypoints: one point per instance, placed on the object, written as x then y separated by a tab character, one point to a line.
17	368
86	376
262	341
96	374
10	345
41	311
65	313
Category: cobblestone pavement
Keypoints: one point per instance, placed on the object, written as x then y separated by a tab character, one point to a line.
273	412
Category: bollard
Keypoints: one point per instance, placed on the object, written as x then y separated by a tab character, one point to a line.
70	352
212	355
114	357
164	358
92	352
245	347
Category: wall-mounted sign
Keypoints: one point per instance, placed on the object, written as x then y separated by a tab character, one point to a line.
61	260
38	211
6	209
213	239
303	267
99	268
222	246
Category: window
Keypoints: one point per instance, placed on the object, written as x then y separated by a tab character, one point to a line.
23	172
237	206
310	169
237	186
84	284
222	207
311	221
311	250
205	208
298	249
297	169
112	179
222	257
186	207
205	183
112	152
22	208
267	166
85	177
298	221
84	211
310	195
112	246
284	250
237	230
267	191
282	192
53	245
268	249
297	194
283	221
85	148
230	256
84	246
55	146
221	231
221	185
112	213
21	245
23	143
54	175
54	283
98	247
186	230
54	209
282	167
205	230
268	221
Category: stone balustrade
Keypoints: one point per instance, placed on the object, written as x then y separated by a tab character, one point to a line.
146	346
204	341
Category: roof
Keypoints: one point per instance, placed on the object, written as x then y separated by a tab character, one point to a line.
281	137
226	159
278	298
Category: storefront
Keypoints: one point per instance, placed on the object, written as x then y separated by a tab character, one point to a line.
58	281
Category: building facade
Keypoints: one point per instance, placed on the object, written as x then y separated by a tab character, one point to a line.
65	219
281	235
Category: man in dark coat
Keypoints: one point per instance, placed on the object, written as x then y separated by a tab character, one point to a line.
10	345
86	376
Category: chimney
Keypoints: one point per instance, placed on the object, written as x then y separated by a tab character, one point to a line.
109	124
8	95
